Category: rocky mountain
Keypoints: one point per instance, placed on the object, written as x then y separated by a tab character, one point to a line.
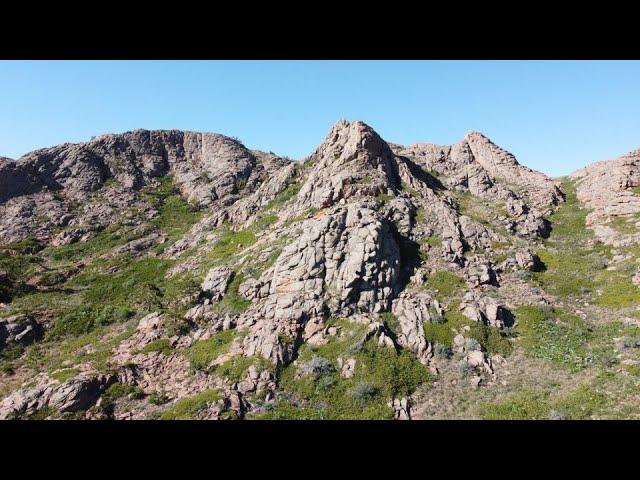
174	275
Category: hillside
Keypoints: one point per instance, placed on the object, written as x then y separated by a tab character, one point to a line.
179	275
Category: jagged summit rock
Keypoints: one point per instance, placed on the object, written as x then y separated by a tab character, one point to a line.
352	161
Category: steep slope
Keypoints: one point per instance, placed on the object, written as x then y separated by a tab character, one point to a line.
171	274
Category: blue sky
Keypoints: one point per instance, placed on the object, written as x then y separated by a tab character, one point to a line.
555	116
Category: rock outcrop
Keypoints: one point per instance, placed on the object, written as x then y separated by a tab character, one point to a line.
609	189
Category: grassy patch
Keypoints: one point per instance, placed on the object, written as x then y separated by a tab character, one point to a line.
263	222
624	224
554	335
235	369
203	352
489	338
390	320
575	261
162	345
384	198
582	403
230	243
136	289
28	246
176	217
117	391
64	374
445	283
232	300
284	196
617	290
189	408
103	241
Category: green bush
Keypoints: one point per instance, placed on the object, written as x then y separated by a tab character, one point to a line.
85	318
29	246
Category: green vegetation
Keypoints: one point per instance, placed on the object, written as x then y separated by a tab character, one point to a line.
158	398
390	320
117	391
139	287
582	403
482	211
554	335
230	243
50	357
175	217
380	374
189	408
30	246
203	352
64	374
162	345
232	300
10	352
442	333
575	263
624	224
103	241
235	369
432	241
445	283
263	222
384	198
569	257
284	196
19	263
411	191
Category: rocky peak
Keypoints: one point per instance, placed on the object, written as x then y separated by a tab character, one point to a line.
352	161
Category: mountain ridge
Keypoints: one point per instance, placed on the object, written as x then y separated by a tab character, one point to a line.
174	274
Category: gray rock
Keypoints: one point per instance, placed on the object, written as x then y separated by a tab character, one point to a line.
216	282
22	329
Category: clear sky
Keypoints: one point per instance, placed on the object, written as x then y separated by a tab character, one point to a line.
555	116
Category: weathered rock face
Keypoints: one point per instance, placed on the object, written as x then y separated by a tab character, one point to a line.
207	169
347	261
487	171
216	282
76	394
607	188
412	312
